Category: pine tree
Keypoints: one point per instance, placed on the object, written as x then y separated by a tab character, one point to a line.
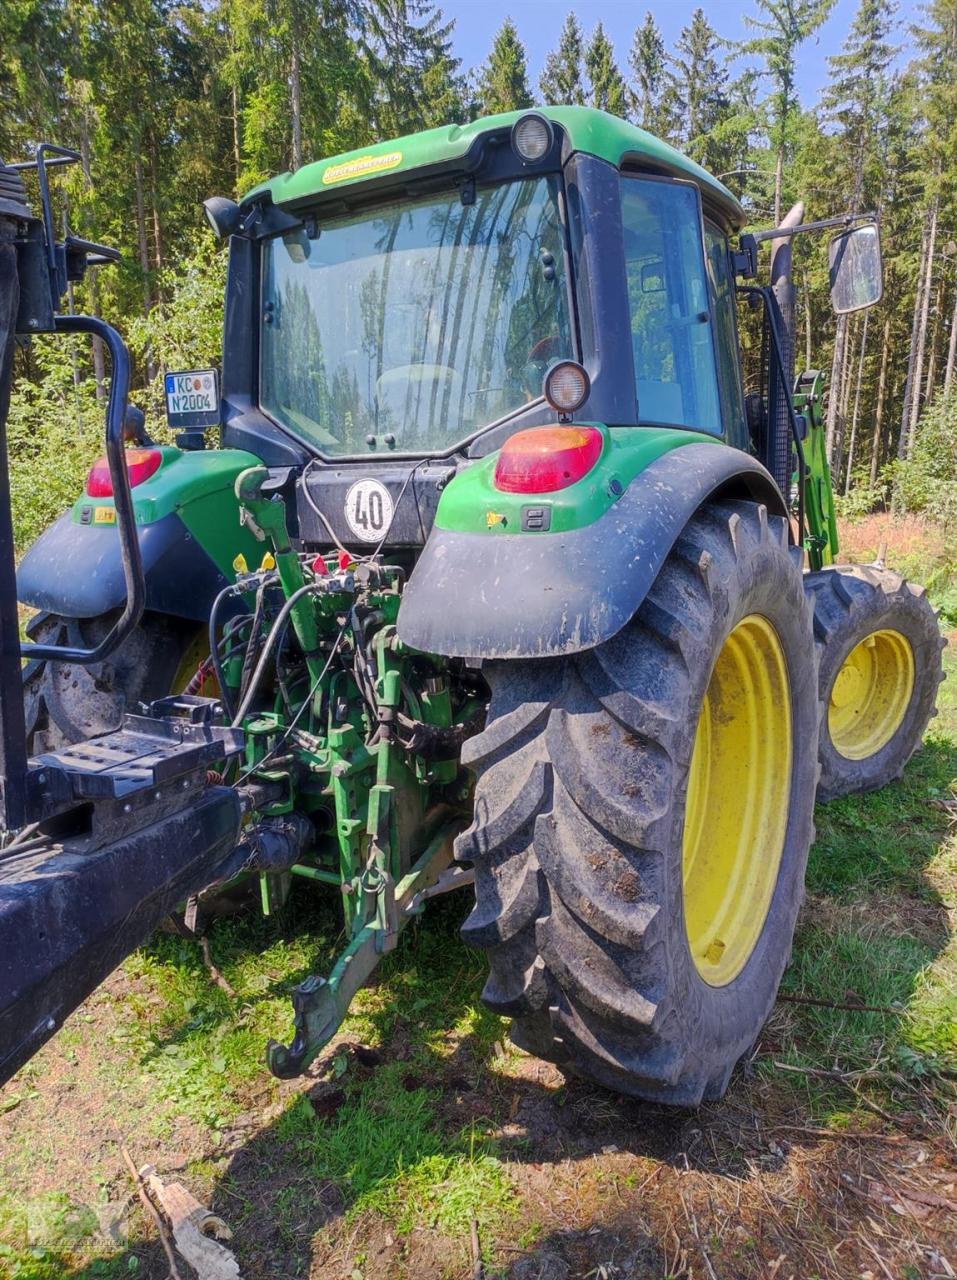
700	85
786	25
561	80
413	73
857	97
503	81
608	92
856	102
653	96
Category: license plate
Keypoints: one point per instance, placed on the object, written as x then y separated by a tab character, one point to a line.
192	398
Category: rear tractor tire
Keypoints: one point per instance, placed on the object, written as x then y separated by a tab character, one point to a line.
643	814
880	663
65	702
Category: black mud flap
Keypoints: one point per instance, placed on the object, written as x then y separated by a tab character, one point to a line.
535	595
67	918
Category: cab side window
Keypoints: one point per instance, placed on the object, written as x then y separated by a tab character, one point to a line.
721	275
669	295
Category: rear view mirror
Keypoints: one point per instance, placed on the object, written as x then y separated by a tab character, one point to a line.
857	274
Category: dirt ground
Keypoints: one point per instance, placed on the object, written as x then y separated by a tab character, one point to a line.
753	1186
833	1155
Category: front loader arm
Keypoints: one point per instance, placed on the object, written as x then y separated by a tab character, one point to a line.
821	541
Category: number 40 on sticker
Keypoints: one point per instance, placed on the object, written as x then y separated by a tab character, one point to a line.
369	509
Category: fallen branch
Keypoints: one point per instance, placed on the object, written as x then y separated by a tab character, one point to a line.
693	1224
840	1135
197	1231
848	1005
153	1213
211	969
478	1271
849	1082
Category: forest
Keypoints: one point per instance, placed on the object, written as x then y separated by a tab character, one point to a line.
170	102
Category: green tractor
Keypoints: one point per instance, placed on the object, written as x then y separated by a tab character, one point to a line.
495	577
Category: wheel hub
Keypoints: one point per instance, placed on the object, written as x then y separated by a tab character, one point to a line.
738	797
871	694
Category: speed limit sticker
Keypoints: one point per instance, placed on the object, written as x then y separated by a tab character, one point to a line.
369	509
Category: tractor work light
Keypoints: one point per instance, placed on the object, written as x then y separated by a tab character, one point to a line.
140	463
532	137
543	459
566	387
223	215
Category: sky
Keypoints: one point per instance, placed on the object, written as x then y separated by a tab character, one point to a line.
539	23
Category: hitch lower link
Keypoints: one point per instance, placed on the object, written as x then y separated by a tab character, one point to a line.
320	1004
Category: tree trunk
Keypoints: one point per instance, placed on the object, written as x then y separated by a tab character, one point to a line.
952	349
237	155
92	280
142	242
934	353
144	252
834	383
879	411
295	103
903	444
843	399
808	345
915	404
778	184
154	197
857	405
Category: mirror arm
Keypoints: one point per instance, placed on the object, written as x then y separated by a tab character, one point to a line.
846	220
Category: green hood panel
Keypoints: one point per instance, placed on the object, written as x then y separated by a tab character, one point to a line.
595	132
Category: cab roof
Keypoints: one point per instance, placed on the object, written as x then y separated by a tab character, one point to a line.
595	132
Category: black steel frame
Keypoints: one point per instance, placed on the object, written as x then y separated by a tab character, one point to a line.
122	497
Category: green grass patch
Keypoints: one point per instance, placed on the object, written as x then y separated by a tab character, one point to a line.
883	875
39	1238
885	839
387	1150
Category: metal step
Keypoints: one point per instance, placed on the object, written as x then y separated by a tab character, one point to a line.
147	752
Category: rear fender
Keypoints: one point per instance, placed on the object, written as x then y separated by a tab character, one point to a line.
496	594
189	532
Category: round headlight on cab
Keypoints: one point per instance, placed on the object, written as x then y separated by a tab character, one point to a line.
566	387
532	137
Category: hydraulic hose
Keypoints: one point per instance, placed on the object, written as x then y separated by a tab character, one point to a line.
232	589
270	643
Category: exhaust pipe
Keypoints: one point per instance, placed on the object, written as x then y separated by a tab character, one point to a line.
784	296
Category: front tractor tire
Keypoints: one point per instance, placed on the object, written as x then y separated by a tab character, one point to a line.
880	666
65	702
643	814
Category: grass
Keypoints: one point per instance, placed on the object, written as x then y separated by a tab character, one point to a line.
878	930
421	1116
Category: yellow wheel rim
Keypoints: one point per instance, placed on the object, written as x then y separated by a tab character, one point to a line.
197	651
871	694
736	812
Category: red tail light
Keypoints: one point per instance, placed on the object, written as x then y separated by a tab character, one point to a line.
543	459
140	463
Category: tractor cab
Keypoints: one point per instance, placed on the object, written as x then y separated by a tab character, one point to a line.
402	305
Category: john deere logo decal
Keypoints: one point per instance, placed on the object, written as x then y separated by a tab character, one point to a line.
361	167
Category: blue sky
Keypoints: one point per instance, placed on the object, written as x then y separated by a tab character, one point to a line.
539	23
